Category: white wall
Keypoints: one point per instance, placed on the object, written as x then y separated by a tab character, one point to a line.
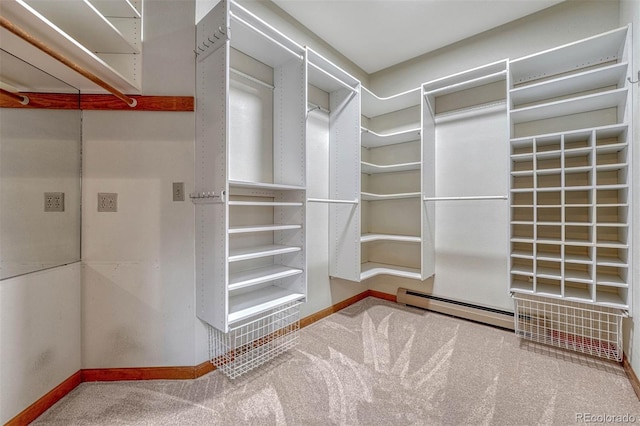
39	335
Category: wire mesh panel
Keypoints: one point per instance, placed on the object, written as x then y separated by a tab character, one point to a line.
255	342
590	329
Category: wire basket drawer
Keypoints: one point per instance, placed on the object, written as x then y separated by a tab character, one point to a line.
255	342
590	329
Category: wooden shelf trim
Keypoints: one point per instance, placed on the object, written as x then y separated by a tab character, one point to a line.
100	102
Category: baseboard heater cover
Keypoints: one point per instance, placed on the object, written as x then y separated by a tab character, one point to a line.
491	316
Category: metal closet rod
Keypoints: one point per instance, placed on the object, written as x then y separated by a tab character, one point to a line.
24	100
9	26
331	201
250	78
478	197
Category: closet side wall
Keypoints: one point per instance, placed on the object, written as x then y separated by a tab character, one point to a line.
549	28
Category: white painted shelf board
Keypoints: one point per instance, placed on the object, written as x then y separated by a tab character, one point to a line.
590	51
116	8
522	157
263	185
612	225
577	276
611	280
264	204
237	255
574	242
522	173
373	105
372	169
522	254
610	299
257	276
522	286
367	196
610	261
579	294
274	50
541	172
579	224
611	167
545	272
522	270
521	190
551	257
615	186
371	139
324	82
522	222
370	269
547	155
580	169
598	101
365	238
577	258
37	25
611	148
577	152
245	305
261	228
522	240
86	24
611	75
548	290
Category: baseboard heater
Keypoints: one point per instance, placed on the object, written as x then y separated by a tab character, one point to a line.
464	310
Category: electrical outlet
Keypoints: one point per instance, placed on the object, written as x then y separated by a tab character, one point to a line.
54	201
178	191
107	202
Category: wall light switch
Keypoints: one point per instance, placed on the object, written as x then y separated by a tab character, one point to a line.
178	191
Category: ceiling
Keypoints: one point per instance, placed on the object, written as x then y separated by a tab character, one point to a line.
376	34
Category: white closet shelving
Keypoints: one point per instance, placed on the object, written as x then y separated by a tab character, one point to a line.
250	139
108	46
571	172
391	242
344	154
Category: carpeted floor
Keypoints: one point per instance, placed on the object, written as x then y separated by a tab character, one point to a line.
376	363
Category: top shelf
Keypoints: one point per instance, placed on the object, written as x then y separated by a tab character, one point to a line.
256	38
118	8
607	47
40	27
373	105
327	76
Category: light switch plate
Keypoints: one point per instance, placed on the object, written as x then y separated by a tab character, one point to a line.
178	191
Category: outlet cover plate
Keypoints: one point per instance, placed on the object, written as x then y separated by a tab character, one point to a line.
54	201
107	202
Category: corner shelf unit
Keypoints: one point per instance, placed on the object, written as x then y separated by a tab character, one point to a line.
571	192
250	151
391	169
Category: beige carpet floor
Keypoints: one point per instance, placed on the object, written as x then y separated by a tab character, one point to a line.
376	363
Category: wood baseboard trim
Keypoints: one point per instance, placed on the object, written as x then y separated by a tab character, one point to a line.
204	368
33	411
631	375
384	296
332	309
142	373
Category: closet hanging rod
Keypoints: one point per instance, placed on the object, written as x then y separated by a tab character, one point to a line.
9	26
250	78
461	85
331	201
263	34
316	107
333	77
24	100
475	197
